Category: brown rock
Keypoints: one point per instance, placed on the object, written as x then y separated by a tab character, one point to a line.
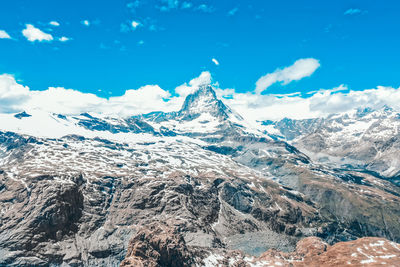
157	245
313	252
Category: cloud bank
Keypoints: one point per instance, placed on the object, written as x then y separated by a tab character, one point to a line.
15	97
319	103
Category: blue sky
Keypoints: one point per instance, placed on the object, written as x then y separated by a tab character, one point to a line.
356	42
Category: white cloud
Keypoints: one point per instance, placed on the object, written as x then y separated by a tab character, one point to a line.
12	94
15	97
261	107
215	61
4	35
64	101
186	89
34	34
352	11
135	24
143	100
341	87
64	39
54	23
300	69
331	102
203	79
85	22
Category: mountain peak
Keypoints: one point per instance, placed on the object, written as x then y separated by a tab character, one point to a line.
203	100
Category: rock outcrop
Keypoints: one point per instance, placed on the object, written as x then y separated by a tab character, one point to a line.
313	252
158	245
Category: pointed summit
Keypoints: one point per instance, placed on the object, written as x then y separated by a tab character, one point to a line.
204	100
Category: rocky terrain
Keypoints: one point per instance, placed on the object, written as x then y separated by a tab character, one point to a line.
195	187
162	246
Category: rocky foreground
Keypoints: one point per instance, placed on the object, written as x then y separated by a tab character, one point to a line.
159	246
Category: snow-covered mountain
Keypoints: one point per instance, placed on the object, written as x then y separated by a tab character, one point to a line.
201	114
194	187
364	139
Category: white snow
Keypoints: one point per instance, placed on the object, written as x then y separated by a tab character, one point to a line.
212	260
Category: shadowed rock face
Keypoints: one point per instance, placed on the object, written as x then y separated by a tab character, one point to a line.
44	212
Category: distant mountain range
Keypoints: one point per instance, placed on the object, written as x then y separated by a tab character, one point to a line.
196	187
366	140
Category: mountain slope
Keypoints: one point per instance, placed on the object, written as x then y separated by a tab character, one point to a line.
82	199
76	189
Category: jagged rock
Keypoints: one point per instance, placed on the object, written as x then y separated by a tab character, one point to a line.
204	100
158	245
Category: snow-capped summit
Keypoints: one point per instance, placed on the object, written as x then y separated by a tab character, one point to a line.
203	100
201	113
